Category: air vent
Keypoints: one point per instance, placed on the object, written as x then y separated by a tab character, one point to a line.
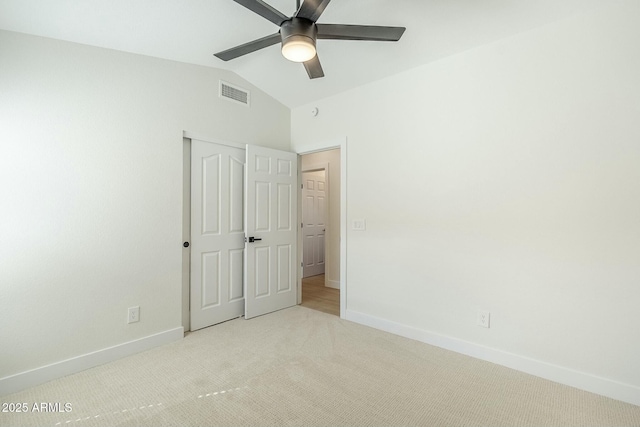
234	93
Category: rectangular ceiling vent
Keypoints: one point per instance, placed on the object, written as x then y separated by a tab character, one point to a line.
234	93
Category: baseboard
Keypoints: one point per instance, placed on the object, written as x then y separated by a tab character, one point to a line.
24	380
581	380
335	284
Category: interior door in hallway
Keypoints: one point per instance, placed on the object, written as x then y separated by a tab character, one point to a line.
314	214
271	225
217	233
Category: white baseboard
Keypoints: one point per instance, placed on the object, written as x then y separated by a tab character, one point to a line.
335	284
24	380
581	380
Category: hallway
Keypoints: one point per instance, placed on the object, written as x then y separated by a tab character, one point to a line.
319	297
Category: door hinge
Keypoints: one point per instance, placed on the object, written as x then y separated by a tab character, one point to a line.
301	186
301	225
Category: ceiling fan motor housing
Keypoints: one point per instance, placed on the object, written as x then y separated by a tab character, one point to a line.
298	31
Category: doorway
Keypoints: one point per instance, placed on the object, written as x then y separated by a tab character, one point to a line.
321	230
317	296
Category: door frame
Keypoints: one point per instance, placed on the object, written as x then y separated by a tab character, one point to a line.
340	143
186	233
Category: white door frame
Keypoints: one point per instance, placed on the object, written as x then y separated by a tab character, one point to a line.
186	232
340	143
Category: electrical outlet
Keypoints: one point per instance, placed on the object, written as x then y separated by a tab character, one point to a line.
483	318
133	315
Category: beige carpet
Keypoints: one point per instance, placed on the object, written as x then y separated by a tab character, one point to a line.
300	367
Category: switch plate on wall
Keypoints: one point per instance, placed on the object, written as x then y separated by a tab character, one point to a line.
359	225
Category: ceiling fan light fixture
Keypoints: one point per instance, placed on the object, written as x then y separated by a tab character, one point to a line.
298	33
299	48
298	39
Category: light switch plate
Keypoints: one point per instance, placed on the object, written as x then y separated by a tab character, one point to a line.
359	225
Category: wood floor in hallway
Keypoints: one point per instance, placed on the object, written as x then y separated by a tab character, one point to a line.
317	296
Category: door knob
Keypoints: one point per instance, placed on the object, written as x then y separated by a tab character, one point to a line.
253	239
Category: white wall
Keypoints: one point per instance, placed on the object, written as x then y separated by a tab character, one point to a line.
332	237
505	178
91	190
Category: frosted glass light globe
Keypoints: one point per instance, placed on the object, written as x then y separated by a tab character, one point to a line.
298	49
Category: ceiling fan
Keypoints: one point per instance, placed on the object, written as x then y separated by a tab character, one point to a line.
298	34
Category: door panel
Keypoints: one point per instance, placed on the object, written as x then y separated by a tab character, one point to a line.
236	198
285	278
236	272
210	279
270	216
210	194
284	207
262	275
217	233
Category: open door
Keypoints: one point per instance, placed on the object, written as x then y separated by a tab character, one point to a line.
271	225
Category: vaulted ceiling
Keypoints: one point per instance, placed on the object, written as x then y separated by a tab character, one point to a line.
192	30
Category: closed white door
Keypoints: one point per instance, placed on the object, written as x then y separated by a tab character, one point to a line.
314	214
217	233
271	218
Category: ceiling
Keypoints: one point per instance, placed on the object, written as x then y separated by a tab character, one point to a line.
192	30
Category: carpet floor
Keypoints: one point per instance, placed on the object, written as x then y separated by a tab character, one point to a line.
300	367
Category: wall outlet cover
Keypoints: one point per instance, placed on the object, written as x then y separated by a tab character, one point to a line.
133	314
484	318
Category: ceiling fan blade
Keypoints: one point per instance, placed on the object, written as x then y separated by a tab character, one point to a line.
264	10
359	32
313	67
252	46
312	9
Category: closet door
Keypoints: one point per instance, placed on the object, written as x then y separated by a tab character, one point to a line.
217	233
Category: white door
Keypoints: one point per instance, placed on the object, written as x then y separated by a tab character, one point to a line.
271	219
314	213
217	233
